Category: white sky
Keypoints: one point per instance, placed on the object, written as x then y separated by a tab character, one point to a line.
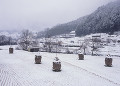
40	14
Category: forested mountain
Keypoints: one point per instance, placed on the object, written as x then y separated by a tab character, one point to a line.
61	29
64	28
105	19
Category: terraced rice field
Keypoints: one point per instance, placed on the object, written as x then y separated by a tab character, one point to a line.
18	69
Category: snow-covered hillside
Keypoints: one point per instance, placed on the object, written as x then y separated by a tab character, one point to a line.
18	69
14	35
108	44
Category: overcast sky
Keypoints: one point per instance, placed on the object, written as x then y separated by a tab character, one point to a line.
40	14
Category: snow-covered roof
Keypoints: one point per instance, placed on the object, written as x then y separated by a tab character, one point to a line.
72	32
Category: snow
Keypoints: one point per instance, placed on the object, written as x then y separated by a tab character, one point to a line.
113	50
18	69
14	35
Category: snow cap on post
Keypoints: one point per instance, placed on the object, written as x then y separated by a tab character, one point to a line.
56	59
108	56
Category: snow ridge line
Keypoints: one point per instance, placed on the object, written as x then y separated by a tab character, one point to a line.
18	78
90	72
93	73
8	73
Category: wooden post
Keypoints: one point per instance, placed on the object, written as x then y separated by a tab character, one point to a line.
108	62
10	50
38	59
56	64
81	57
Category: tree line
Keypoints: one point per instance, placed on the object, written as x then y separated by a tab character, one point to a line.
6	40
105	19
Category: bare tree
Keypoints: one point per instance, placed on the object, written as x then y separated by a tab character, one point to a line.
84	46
95	45
6	40
25	39
48	43
9	40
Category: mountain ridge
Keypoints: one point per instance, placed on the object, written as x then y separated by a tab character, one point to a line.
106	19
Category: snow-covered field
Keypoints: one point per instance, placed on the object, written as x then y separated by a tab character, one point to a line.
18	69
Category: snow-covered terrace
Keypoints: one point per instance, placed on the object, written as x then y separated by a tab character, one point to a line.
18	69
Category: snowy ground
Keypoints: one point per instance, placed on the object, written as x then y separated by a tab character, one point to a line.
18	69
113	50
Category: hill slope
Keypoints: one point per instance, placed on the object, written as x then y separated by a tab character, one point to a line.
105	19
65	28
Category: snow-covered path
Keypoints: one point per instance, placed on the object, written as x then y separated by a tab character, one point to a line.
18	69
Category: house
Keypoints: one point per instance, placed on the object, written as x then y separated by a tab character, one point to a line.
72	34
34	49
69	35
96	38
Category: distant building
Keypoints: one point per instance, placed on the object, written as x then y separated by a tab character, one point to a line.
33	49
96	38
72	34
